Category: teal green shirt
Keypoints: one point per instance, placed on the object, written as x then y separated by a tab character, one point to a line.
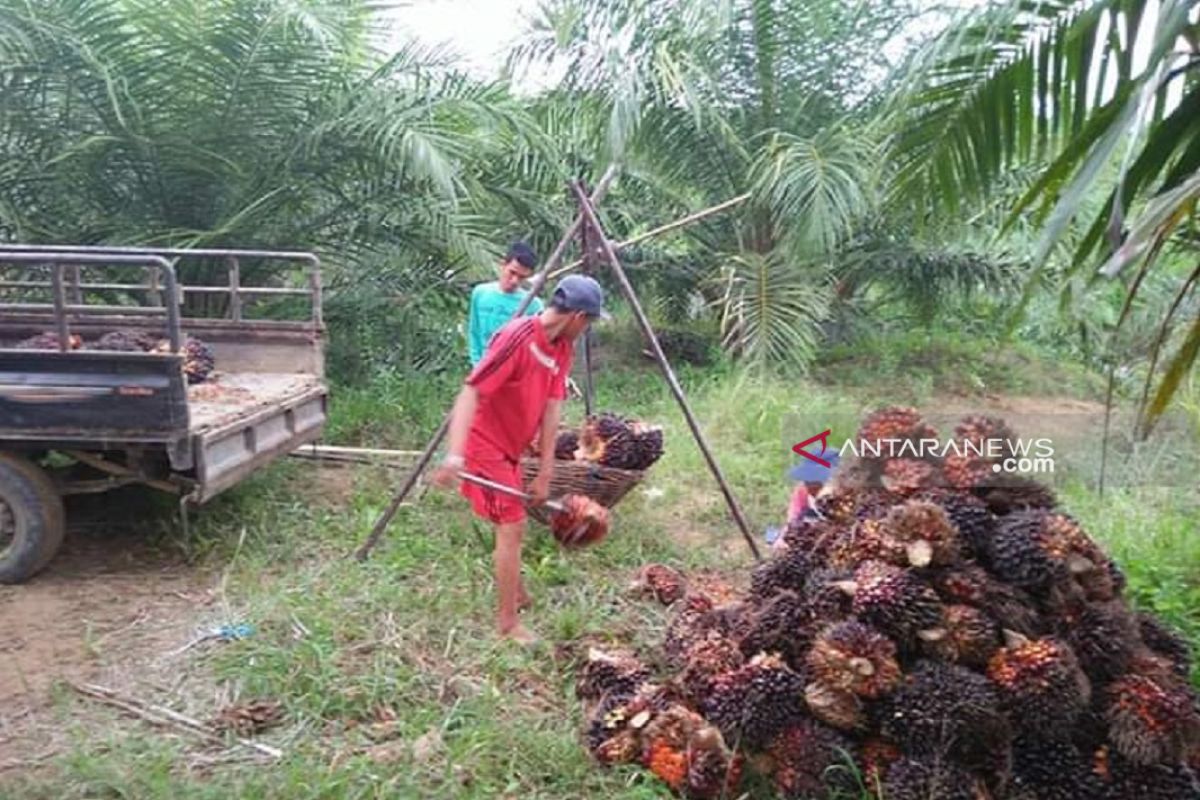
490	309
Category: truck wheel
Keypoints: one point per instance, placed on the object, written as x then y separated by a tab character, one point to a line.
32	519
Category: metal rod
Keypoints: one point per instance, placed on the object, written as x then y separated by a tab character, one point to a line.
235	285
60	302
76	293
614	263
427	454
661	229
508	490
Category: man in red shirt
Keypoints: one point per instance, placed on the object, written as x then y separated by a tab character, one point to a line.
514	393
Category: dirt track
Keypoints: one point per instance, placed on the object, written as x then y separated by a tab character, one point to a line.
109	601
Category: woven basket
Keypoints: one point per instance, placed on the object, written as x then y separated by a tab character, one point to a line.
605	485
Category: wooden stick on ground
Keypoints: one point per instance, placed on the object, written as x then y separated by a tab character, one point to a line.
614	263
539	281
158	715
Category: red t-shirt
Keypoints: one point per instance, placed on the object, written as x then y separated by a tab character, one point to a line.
519	372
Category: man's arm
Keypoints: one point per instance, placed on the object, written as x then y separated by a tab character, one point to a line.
461	417
549	434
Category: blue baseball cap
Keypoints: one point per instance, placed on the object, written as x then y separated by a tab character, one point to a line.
810	471
580	293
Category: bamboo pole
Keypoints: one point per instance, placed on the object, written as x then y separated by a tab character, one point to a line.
539	281
598	234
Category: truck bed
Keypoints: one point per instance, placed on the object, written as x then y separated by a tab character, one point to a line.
228	398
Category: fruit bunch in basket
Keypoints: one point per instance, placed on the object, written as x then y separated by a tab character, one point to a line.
613	441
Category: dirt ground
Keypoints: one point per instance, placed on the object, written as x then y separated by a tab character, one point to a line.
114	600
118	607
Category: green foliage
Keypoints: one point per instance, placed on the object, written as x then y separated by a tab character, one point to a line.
1057	83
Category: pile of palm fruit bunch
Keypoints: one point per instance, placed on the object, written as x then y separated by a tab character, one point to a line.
198	361
928	637
49	341
613	441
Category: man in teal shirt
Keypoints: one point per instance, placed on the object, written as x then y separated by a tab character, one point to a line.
493	303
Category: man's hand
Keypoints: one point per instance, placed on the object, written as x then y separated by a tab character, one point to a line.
446	475
540	488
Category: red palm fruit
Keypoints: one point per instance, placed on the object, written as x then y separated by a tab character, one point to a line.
970	517
565	445
668	763
804	758
664	584
618	673
712	770
1052	769
753	703
963	471
876	756
582	521
1166	642
906	476
781	625
707	658
49	341
1040	683
1103	636
1005	493
867	540
894	600
968	636
914	779
693	620
852	657
1166	781
991	435
942	709
837	708
1036	550
924	531
892	422
1152	718
970	585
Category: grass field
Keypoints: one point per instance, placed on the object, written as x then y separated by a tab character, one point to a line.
392	682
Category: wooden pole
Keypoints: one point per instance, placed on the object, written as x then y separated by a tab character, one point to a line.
588	386
589	212
539	281
661	229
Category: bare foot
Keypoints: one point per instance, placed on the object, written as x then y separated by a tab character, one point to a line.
524	600
520	634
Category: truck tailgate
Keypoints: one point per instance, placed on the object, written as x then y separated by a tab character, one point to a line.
241	421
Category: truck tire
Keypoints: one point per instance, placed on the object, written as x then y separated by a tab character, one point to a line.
32	519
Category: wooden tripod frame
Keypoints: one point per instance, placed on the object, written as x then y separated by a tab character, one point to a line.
588	227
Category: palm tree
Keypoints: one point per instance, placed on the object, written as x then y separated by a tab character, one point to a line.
704	101
1061	84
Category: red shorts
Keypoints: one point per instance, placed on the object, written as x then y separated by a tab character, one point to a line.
495	507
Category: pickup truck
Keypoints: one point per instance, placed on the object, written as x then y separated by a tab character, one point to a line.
76	418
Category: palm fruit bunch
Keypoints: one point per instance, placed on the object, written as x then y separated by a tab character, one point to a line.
804	758
49	341
926	641
613	441
198	360
127	341
664	584
602	674
565	445
581	522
